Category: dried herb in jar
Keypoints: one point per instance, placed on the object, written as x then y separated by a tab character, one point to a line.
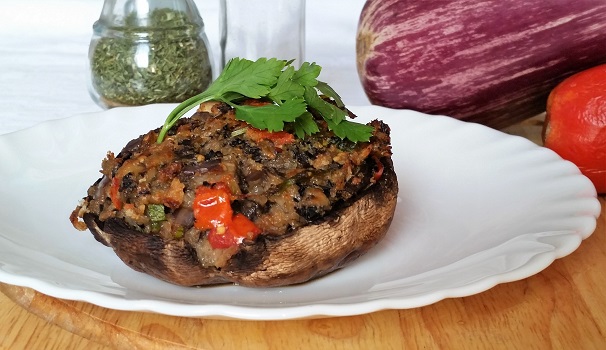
167	60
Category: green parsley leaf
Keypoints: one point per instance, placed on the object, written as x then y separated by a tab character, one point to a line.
352	131
330	92
305	125
271	117
294	93
240	77
286	88
251	79
306	74
328	111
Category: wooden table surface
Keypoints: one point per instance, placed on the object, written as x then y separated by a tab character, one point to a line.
562	307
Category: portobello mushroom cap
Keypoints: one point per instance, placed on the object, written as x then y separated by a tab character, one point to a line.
304	254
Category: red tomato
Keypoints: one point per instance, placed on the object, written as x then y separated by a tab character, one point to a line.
380	169
221	238
212	207
212	211
279	138
575	123
114	194
243	227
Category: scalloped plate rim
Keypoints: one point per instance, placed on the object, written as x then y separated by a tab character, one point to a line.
540	260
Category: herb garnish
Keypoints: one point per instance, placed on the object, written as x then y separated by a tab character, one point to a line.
294	92
167	60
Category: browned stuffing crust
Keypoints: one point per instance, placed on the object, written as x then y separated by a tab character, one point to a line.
282	188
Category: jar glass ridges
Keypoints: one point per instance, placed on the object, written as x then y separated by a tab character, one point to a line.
146	52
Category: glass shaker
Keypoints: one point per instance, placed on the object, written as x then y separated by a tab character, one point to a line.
262	28
148	51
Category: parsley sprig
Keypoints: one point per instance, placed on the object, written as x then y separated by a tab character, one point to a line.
294	93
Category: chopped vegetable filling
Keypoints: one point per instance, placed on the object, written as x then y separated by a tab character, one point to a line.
217	182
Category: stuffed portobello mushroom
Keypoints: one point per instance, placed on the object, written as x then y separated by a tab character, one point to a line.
216	200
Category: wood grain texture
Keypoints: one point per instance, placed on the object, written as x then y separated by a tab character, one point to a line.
562	307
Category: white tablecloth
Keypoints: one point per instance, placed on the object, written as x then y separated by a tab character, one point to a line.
44	47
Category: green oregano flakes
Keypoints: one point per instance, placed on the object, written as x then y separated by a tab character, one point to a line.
162	62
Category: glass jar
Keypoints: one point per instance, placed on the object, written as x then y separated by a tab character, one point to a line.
151	51
262	28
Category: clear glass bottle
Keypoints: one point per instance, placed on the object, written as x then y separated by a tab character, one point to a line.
262	28
148	51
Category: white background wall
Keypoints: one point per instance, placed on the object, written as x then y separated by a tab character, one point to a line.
44	44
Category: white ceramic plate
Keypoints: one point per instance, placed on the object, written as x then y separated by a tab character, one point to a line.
476	208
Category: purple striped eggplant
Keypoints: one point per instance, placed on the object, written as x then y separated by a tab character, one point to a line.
492	62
